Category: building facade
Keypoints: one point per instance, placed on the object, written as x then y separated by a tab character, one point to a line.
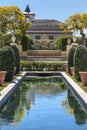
43	28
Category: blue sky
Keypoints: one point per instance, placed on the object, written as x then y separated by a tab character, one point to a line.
50	9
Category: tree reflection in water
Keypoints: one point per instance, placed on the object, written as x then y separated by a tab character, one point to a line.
9	109
80	115
24	97
75	109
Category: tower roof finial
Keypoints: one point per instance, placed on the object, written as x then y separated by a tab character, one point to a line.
27	9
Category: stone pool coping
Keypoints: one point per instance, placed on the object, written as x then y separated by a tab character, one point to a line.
7	91
78	92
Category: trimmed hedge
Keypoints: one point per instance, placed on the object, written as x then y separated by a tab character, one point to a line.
24	43
7	59
80	60
61	42
17	59
71	58
40	66
30	43
27	43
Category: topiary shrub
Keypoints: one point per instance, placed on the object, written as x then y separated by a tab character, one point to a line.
61	42
17	59
30	43
7	60
80	60
71	58
64	43
58	44
24	43
27	43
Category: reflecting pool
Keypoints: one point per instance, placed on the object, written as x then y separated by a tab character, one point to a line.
43	104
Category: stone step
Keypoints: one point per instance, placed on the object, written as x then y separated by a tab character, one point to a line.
43	52
44	58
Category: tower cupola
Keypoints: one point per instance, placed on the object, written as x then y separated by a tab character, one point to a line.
29	15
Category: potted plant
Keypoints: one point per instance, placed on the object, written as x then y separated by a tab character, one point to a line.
72	69
80	61
83	76
2	77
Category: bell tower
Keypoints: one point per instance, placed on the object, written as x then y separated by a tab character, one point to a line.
30	16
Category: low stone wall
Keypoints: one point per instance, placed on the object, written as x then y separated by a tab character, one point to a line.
44	58
44	52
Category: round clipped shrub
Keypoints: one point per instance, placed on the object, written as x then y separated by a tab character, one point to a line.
71	58
17	59
7	59
80	60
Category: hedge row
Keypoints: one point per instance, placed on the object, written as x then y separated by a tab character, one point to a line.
27	43
61	42
40	66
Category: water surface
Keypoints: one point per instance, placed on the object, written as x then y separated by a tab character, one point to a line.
43	104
